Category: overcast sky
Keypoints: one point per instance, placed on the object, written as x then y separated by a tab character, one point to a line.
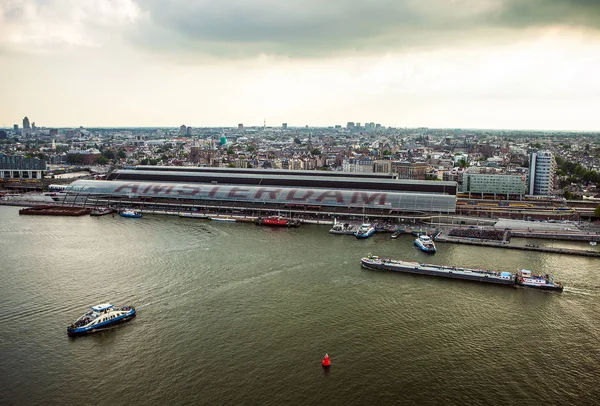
514	64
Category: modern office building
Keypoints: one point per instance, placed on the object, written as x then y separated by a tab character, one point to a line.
542	171
495	184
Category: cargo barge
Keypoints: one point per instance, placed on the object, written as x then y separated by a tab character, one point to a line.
55	211
523	278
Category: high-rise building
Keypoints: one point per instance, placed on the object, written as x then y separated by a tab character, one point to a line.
284	126
188	131
16	129
26	123
542	170
182	130
240	127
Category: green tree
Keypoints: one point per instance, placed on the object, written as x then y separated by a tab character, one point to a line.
121	153
597	211
463	163
297	141
231	165
101	160
316	151
108	153
568	195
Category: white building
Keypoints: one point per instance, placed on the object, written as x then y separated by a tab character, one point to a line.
542	170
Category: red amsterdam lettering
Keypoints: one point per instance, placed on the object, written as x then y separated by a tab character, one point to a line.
292	195
132	187
368	198
331	194
214	191
188	190
234	193
272	193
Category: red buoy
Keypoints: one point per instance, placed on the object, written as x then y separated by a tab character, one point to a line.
326	362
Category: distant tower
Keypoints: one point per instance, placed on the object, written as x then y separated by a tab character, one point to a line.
264	123
284	126
182	130
240	127
53	144
26	123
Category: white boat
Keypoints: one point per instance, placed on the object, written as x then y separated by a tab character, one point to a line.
593	243
130	213
365	231
229	219
102	315
425	243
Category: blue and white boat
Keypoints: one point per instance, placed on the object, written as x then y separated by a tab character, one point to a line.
131	213
425	243
101	316
365	231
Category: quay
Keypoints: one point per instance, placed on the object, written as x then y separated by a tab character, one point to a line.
507	245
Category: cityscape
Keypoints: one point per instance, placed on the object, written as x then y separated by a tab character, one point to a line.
299	203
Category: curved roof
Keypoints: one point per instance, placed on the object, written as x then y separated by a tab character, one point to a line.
400	185
402	201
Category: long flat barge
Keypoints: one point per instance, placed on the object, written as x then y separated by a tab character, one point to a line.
524	278
478	275
55	211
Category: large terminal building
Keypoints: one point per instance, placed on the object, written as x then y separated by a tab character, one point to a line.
267	192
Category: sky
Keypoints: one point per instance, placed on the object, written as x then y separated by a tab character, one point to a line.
505	64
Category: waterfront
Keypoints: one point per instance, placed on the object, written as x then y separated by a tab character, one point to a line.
240	314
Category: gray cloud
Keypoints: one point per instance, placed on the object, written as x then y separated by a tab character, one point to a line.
239	28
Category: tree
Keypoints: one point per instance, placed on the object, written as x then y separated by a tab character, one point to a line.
597	211
121	154
231	165
108	153
568	195
463	163
316	151
297	141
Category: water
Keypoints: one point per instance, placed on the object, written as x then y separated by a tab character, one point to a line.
232	313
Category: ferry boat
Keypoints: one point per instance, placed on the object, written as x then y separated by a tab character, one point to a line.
101	212
478	275
130	213
546	282
365	231
100	316
227	219
425	244
194	215
277	221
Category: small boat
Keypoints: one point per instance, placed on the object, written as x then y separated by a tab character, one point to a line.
396	234
546	282
425	244
130	213
101	316
593	243
277	221
229	219
326	362
343	228
101	212
194	215
365	231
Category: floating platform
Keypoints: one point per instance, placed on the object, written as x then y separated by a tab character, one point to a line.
55	211
101	212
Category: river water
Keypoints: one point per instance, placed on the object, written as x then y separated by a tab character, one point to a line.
232	313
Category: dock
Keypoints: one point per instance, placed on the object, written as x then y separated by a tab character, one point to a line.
506	245
55	211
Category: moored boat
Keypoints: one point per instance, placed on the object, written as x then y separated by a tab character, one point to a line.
194	215
277	221
365	231
425	244
101	212
100	316
396	234
226	219
530	280
130	213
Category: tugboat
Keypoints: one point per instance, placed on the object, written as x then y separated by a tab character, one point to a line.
365	231
102	315
277	221
130	213
545	282
425	244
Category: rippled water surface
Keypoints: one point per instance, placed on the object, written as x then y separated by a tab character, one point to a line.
231	313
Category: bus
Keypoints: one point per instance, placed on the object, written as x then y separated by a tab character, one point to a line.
56	188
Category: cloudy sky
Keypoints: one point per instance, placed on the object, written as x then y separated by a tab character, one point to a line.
514	64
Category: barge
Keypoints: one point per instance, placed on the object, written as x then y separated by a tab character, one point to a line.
55	211
523	278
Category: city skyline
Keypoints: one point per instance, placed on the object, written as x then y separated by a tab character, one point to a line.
487	64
